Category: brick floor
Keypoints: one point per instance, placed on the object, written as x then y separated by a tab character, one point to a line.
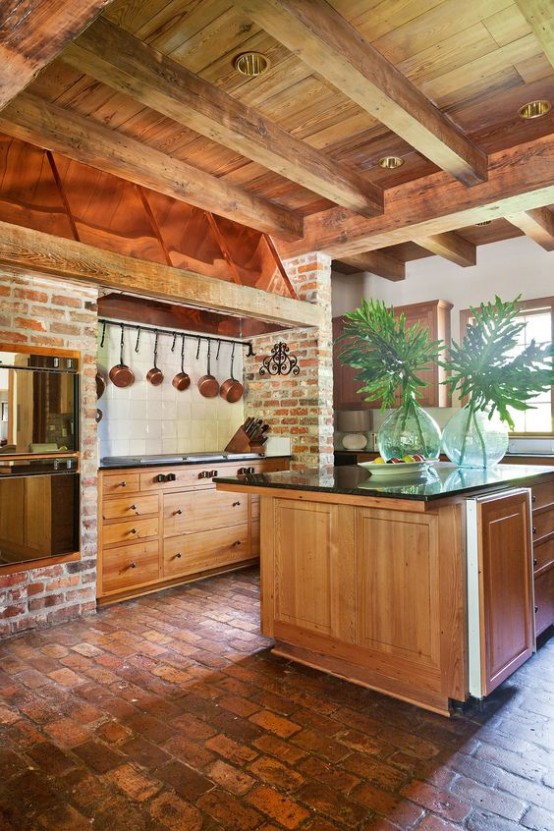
170	712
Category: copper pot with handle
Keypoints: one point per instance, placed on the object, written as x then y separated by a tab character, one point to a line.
155	376
208	385
121	375
231	390
181	381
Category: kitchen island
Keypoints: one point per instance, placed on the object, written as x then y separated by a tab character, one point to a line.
367	577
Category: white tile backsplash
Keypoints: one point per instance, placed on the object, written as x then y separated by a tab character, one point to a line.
142	419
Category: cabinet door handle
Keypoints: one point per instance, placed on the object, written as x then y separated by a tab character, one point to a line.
132	565
236	542
533	498
132	507
534	530
234	505
170	477
535	562
177	556
133	531
177	512
536	609
122	484
161	477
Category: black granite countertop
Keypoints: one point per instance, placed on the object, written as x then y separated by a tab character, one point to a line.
434	481
192	458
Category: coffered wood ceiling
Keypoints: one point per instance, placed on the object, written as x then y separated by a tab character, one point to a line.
146	90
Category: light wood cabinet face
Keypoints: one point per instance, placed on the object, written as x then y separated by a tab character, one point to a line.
398	572
160	524
205	550
129	566
130	506
304	571
190	511
130	530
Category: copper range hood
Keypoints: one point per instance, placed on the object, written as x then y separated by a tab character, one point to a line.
49	192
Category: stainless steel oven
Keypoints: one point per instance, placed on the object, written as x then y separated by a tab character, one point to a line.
39	509
38	395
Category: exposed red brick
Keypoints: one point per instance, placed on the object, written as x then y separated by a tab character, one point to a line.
280	808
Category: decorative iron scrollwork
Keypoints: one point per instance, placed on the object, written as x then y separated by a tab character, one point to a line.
280	362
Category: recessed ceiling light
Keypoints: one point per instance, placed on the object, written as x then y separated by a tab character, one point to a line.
391	162
534	109
251	64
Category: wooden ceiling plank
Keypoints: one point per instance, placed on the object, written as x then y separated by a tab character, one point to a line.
451	246
537	224
379	263
540	16
335	50
44	124
520	179
124	63
34	252
33	34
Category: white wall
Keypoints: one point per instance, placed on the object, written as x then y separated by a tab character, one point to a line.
142	419
509	268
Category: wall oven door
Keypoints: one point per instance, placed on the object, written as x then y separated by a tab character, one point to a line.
39	509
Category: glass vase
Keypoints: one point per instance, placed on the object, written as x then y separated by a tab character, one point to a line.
471	439
409	430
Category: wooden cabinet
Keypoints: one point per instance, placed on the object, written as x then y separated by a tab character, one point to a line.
373	594
163	525
543	554
434	316
500	588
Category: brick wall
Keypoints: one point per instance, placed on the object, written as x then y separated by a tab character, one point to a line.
51	313
301	406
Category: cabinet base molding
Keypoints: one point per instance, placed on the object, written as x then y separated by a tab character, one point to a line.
129	594
364	677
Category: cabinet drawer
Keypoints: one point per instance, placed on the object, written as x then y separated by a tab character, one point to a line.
130	565
205	550
543	494
191	511
119	483
176	478
544	600
130	530
130	506
542	524
543	554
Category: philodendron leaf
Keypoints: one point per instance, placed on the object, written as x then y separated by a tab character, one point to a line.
485	368
386	353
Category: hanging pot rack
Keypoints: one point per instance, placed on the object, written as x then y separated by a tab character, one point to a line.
171	333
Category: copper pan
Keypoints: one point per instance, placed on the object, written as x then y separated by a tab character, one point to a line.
182	381
155	376
208	385
120	375
100	385
231	390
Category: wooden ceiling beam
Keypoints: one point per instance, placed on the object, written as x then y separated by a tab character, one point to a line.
326	42
29	251
47	125
124	63
540	16
33	34
521	178
451	246
537	224
379	263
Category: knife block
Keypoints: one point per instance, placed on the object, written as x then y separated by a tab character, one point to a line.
240	443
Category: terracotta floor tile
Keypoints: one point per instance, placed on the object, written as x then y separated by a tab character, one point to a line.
170	712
